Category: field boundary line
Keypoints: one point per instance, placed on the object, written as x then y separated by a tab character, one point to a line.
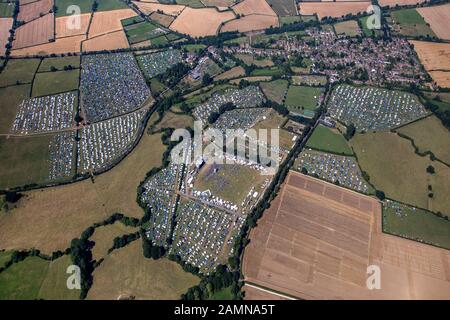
275	293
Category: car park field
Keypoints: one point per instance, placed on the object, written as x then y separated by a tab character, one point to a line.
415	224
316	241
374	109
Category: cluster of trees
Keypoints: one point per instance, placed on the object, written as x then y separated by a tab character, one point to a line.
80	252
151	251
122	241
297	26
223	108
350	131
174	74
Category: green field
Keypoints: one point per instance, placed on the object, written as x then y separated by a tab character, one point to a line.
5	256
55	82
193	48
132	20
107	5
367	32
283	7
416	224
248	59
18	71
63	5
429	135
22	281
302	97
36	278
275	90
411	23
24	160
224	294
400	173
10	98
159	41
328	140
191	3
6	10
274	71
59	63
140	32
290	19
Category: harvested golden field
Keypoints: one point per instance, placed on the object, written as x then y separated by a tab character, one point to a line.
393	3
108	21
436	59
64	27
62	45
104	237
438	17
332	9
317	240
34	10
49	219
36	32
170	9
108	41
200	22
127	273
250	23
5	25
254	293
230	74
248	7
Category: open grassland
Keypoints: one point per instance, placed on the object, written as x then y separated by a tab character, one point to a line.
23	280
49	219
36	278
200	22
104	237
349	28
5	256
6	10
107	5
438	18
62	6
59	63
175	121
54	285
10	98
275	90
329	140
125	272
48	83
302	97
416	224
24	161
411	23
18	71
429	135
400	173
436	59
332	9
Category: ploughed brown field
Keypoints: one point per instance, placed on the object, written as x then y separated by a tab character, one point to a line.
332	9
5	25
393	3
317	240
34	10
35	32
